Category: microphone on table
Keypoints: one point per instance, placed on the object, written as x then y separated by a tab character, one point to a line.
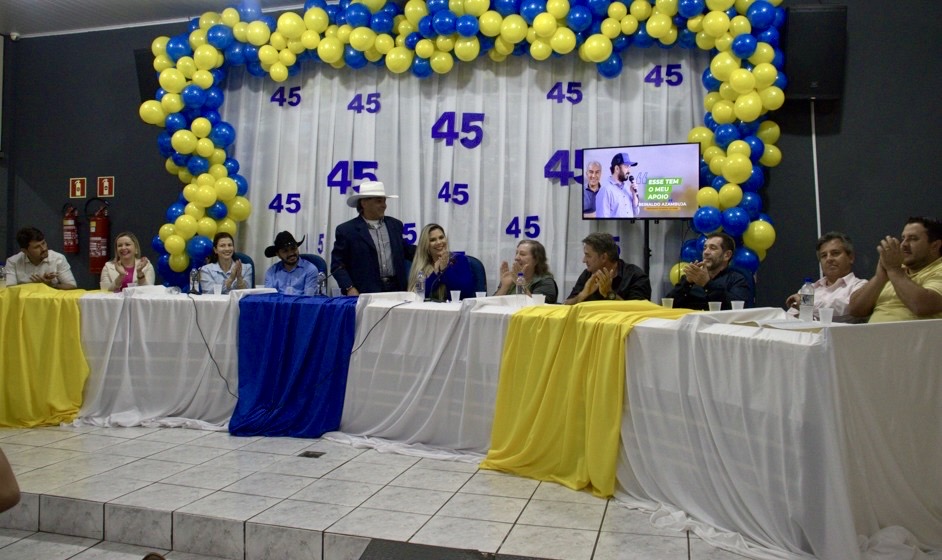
322	280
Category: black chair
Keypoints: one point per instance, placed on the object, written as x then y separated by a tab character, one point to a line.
316	260
245	259
480	278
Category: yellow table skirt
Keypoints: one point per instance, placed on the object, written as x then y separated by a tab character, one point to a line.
561	392
43	368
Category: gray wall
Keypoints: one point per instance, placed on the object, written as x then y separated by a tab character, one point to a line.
72	111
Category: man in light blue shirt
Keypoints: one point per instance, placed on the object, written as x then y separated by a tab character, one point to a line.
292	275
618	197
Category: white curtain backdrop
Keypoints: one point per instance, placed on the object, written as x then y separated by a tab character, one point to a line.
293	149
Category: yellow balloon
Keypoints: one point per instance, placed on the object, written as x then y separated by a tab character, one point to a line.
737	169
442	62
425	48
742	80
722	66
197	37
545	24
258	33
291	25
185	226
765	75
670	37
715	23
330	49
376	5
641	9
556	8
164	232
162	62
206	227
616	10
701	134
343	33
712	152
205	147
239	208
172	80
467	48
598	47
185	176
629	24
183	141
159	45
362	38
707	196
772	98
384	43
695	24
705	41
513	28
415	10
742	6
764	53
723	112
218	170
174	244
738	147
720	5
740	25
152	112
205	180
229	16
710	99
748	106
772	156
316	19
287	58
716	164
496	56
171	103
179	262
209	19
201	127
540	49
727	92
666	7
676	272
769	132
267	54
563	41
171	167
760	235
489	23
724	42
194	210
204	78
730	195
278	72
187	66
398	59
189	192
310	39
205	57
227	225
205	196
659	25
240	32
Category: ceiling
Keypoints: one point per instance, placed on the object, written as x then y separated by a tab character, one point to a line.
38	18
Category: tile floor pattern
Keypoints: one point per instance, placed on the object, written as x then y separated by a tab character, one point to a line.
118	493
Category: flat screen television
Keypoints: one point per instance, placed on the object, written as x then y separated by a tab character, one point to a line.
654	182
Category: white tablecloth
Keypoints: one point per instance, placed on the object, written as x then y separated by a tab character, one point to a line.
799	441
425	374
157	358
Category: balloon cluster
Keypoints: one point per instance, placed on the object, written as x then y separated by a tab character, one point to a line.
737	142
425	36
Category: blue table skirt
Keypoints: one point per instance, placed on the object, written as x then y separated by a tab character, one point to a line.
294	352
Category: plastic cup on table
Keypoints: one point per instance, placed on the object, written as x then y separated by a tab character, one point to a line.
335	292
455	296
480	294
826	314
217	289
715	305
104	286
667	302
538	299
738	304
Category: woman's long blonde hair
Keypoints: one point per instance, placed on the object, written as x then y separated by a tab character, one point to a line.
423	258
133	238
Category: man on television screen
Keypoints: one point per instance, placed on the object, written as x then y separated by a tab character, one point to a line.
606	276
712	279
593	182
618	197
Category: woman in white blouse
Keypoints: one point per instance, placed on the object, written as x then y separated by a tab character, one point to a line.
224	270
128	266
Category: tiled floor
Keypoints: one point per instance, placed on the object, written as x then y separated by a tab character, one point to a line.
118	493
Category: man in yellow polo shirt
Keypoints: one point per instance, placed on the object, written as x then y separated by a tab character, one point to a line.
908	281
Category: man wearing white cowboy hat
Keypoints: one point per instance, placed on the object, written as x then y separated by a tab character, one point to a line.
369	253
618	197
290	275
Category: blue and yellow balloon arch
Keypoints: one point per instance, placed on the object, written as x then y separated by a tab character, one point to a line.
737	140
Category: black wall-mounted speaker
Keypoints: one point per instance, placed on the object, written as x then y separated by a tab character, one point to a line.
815	51
146	75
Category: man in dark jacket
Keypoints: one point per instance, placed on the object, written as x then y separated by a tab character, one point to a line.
712	279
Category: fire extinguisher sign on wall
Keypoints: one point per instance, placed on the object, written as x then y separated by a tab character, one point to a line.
70	239
98	232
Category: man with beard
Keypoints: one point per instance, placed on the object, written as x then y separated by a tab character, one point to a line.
291	275
908	282
618	197
712	279
836	255
35	263
606	276
593	178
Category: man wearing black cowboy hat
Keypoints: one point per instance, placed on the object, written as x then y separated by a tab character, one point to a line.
291	275
618	197
369	253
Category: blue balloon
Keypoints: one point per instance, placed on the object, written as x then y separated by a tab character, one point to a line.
508	7
756	147
467	25
160	93
690	8
219	36
178	47
214	98
392	9
249	12
781	81
235	54
778	59
163	267
744	45
579	18
223	134
358	15
619	44
174	211
242	185
595	28
752	203
164	145
529	9
231	165
725	133
179	159
199	247
333	13
610	67
421	67
707	219
217	211
269	21
706	176
642	39
412	39
709	81
211	115
382	22
689	251
746	258
718	182
193	96
354	58
443	22
426	28
219	76
755	181
701	244
197	165
308	4
770	36
157	245
761	14
709	121
779	20
766	218
250	52
435	6
598	7
735	221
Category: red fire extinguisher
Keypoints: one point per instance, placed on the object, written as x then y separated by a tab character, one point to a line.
70	240
98	226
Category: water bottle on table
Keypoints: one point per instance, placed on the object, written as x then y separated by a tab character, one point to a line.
806	301
420	286
521	284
